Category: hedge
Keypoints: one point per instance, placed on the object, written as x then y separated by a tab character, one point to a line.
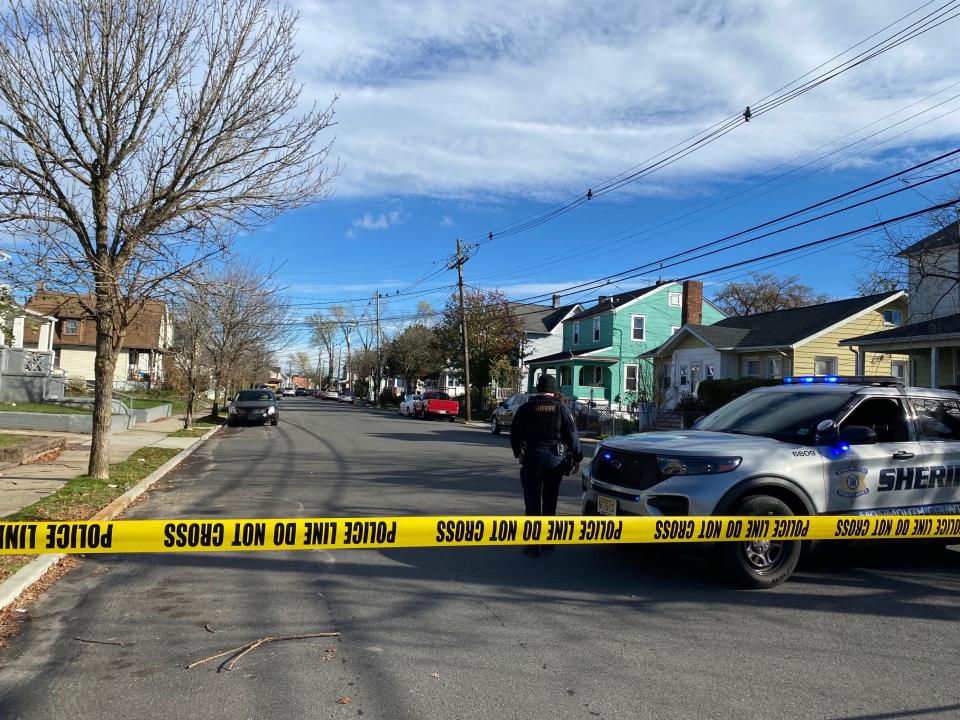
717	393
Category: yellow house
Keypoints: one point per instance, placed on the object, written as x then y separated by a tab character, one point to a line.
799	341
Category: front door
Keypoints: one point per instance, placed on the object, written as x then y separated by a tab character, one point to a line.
696	374
880	476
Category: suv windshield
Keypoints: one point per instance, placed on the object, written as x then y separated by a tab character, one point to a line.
248	395
785	416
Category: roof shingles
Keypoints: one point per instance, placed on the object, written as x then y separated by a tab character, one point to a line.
782	328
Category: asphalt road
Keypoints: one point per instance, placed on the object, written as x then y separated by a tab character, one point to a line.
588	631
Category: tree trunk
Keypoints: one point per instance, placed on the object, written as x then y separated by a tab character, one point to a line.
104	365
215	410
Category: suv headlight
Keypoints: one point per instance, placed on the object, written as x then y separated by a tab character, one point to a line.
680	465
231	409
271	410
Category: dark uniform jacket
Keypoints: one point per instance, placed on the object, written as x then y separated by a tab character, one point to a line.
540	423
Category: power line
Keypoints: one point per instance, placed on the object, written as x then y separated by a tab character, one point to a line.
618	240
660	262
705	137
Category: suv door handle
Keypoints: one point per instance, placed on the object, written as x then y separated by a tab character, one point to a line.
902	455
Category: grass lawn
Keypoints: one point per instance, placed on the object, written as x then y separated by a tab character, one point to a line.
44	408
200	426
8	440
83	496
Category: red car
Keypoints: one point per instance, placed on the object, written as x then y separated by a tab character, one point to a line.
434	403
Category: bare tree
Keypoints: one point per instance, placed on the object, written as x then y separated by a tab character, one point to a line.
302	363
765	292
924	260
346	321
250	320
136	138
194	326
323	331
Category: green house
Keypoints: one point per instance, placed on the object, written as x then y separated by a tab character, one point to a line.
600	361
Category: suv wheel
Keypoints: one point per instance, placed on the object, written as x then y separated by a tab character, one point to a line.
761	564
494	427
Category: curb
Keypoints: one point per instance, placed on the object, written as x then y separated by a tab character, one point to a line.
15	585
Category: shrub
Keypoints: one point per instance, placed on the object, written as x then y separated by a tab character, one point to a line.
715	394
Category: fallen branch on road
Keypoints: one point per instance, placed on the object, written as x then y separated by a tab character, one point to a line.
99	642
242	650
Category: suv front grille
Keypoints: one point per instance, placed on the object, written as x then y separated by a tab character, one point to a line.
638	471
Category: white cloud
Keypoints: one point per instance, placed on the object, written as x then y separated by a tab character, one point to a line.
543	98
368	222
446	221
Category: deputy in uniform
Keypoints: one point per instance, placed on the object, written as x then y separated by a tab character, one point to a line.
544	437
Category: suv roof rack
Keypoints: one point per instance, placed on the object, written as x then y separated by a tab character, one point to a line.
881	380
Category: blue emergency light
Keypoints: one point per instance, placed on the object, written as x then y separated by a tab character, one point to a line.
842	380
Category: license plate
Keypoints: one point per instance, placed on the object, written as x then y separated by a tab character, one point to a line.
441	412
606	506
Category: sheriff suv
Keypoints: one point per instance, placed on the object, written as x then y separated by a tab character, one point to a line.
813	445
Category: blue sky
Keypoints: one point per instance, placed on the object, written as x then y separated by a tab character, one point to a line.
459	118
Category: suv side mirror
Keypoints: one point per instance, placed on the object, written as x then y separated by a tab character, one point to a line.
826	432
858	435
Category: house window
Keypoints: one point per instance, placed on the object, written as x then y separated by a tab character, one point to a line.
683	376
709	370
638	325
576	333
630	378
591	376
825	365
773	367
564	376
596	329
898	368
675	299
71	327
752	367
892	317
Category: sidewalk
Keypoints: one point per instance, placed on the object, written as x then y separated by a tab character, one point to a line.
23	485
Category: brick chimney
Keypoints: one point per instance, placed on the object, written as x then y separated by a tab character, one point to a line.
556	301
692	312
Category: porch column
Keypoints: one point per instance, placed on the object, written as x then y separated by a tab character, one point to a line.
45	341
861	362
17	333
934	357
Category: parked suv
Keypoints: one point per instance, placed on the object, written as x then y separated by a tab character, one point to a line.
503	415
814	445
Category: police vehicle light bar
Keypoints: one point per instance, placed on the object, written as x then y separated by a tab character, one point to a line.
842	380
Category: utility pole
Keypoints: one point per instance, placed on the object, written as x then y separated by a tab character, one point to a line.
376	375
461	259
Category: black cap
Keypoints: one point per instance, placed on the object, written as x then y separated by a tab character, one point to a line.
546	383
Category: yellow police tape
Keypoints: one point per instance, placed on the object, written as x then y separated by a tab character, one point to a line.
147	536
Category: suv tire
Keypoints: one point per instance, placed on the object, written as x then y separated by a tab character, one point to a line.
495	427
763	564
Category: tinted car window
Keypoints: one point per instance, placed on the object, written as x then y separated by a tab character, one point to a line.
939	419
791	416
885	416
248	395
